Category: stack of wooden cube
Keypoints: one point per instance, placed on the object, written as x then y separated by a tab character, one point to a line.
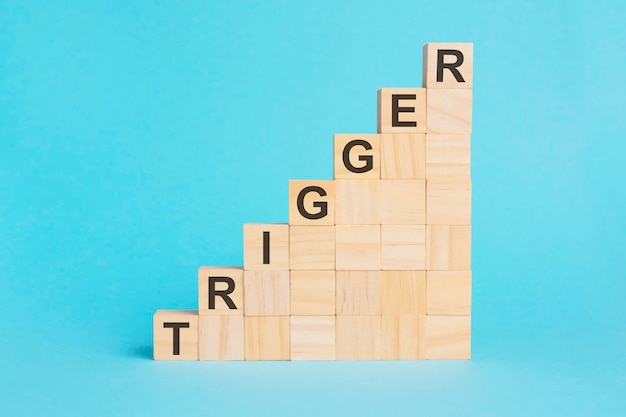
374	264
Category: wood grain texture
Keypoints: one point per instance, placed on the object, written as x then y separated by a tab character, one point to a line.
448	248
221	338
447	156
403	202
312	247
403	247
448	201
412	110
267	338
358	247
403	156
216	274
403	337
359	157
312	293
403	293
253	246
358	293
266	293
449	111
449	293
357	202
358	337
317	201
185	325
313	338
448	79
448	337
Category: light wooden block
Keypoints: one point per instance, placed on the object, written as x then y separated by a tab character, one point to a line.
358	247
220	291
447	65
312	293
358	293
449	111
448	337
312	203
313	338
447	156
403	155
448	248
312	247
402	110
357	156
266	293
403	202
358	337
403	247
449	293
267	338
358	202
403	337
176	335
449	201
265	246
221	338
403	293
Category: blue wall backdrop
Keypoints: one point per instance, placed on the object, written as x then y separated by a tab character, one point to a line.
137	137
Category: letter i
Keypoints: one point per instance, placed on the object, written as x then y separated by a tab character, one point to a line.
266	248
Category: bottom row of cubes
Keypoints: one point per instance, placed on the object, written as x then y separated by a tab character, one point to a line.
183	335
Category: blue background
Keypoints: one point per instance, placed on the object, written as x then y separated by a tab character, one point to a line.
137	138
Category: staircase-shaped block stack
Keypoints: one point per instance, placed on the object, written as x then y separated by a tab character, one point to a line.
374	264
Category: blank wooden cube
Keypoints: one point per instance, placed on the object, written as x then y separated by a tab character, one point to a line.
449	111
403	293
402	110
358	202
447	156
403	155
403	337
312	293
448	248
220	291
176	335
266	293
358	293
358	247
403	202
449	293
358	337
357	156
403	247
447	65
313	338
221	338
267	338
312	247
265	246
448	337
312	203
449	201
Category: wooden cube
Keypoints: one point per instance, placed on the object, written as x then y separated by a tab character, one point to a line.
403	293
312	293
358	247
312	247
358	337
220	291
402	110
403	202
358	202
176	335
403	337
448	337
449	111
358	293
357	156
449	201
266	293
221	338
447	156
403	156
265	246
449	293
448	248
312	203
447	65
267	338
313	338
403	247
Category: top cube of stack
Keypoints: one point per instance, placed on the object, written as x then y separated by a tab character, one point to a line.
447	65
